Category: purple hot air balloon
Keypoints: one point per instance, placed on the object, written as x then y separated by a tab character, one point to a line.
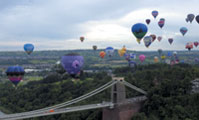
170	40
148	21
15	74
161	23
72	63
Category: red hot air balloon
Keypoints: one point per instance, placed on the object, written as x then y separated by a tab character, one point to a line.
153	36
148	21
81	38
159	38
161	23
189	45
196	43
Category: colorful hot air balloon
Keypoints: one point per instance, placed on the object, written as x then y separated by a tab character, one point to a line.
81	38
148	21
197	19
139	30
128	56
132	64
94	47
170	40
183	30
109	51
190	17
147	41
153	37
15	74
142	58
156	59
154	13
102	54
196	43
163	57
72	63
169	54
28	48
124	48
189	46
161	23
159	38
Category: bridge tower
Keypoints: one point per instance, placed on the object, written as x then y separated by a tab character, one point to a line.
122	109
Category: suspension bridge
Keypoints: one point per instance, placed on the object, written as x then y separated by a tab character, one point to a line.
119	108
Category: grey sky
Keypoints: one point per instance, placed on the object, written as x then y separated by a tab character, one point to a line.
58	24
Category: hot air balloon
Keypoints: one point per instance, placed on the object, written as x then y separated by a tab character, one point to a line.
128	56
147	41
156	59
139	30
197	19
163	57
109	51
161	23
15	74
190	17
183	30
124	48
159	38
28	48
148	21
72	63
196	43
142	58
160	51
153	37
121	52
81	38
154	13
189	46
175	53
94	47
102	54
170	40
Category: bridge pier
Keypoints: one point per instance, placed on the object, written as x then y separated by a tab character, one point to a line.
122	110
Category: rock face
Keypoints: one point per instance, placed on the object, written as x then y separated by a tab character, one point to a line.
195	87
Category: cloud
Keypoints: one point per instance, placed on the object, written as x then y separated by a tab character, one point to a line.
57	24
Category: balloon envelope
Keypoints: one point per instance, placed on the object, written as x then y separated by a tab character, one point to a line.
159	38
160	51
94	47
15	74
153	37
190	17
142	58
170	40
147	41
139	30
161	23
197	19
189	46
183	30
72	63
109	51
28	48
81	38
148	21
156	59
196	43
154	13
102	54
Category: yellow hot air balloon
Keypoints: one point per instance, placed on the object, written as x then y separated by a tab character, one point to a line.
163	57
121	52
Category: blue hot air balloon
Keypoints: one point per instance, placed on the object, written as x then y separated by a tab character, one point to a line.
139	30
28	48
155	13
169	54
72	63
109	51
183	30
15	74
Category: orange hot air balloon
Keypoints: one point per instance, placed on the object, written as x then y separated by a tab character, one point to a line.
121	52
51	110
124	48
81	38
102	54
156	59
